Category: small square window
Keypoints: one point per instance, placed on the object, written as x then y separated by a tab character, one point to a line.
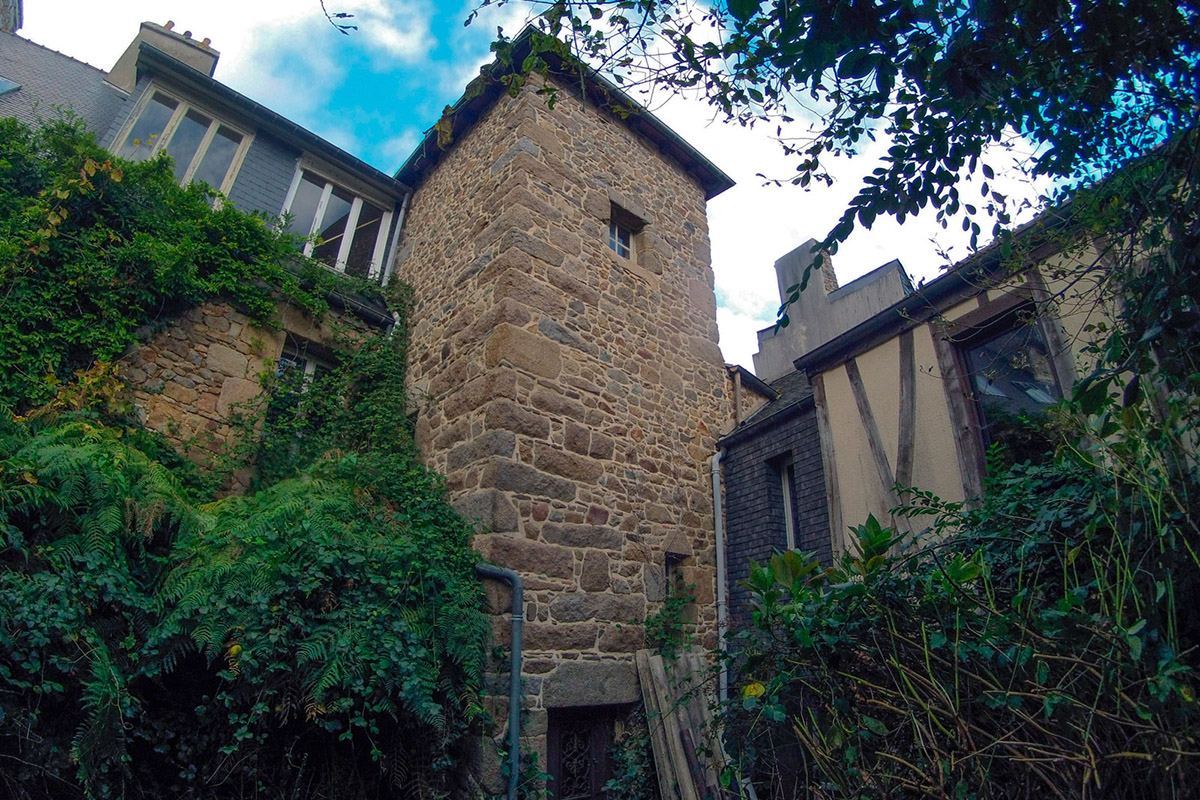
622	227
620	239
7	86
298	355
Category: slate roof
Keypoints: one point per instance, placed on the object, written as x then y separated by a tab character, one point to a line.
482	92
795	394
51	83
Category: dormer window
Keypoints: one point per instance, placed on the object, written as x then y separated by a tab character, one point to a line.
344	230
203	147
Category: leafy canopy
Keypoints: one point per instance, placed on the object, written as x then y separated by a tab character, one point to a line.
1091	85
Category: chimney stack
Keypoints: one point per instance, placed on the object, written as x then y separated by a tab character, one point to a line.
182	47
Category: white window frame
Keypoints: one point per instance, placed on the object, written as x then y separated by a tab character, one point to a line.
615	243
375	266
172	125
787	474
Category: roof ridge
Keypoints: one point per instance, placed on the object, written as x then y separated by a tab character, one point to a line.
56	52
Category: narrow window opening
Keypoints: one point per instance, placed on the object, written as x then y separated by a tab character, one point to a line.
623	226
787	477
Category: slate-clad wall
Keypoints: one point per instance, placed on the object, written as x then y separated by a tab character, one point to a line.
754	524
266	174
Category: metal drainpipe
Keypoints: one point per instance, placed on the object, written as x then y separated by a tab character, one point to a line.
722	610
514	670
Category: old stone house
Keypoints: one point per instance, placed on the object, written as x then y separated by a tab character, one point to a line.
565	373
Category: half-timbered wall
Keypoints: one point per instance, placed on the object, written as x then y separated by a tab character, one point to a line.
901	412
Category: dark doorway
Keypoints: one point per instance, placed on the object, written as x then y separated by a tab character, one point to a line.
577	751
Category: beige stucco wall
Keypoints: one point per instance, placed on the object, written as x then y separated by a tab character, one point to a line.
1073	305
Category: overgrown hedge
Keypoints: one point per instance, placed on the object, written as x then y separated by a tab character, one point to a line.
319	637
1044	641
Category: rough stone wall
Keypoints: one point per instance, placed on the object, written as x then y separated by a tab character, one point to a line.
571	397
192	376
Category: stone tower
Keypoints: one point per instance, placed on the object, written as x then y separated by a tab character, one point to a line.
564	357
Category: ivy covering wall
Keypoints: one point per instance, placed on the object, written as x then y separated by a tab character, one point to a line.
318	637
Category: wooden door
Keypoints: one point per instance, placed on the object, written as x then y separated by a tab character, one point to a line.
577	745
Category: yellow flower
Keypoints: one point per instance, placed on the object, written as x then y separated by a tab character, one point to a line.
235	650
754	689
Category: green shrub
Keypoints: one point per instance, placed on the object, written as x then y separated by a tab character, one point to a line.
320	637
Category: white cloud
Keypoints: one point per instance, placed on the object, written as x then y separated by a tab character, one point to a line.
396	30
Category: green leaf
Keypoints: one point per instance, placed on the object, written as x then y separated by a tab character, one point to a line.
743	10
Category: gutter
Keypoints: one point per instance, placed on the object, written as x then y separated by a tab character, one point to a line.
722	603
514	669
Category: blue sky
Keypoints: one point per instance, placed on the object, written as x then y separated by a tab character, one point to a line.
376	90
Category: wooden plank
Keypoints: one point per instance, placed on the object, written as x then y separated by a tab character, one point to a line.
833	500
693	762
667	782
968	441
688	686
670	716
887	479
907	439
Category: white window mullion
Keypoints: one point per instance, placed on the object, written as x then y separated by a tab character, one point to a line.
169	130
318	217
381	242
201	149
348	235
291	192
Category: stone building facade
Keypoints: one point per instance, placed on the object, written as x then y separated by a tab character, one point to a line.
192	378
571	396
564	366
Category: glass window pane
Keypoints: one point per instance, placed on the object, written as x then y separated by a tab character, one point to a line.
362	246
304	204
333	225
218	157
186	140
619	239
1011	375
149	127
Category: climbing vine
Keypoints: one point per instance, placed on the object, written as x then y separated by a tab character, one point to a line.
318	637
92	248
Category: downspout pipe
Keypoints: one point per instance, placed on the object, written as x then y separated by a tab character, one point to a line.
514	669
722	602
